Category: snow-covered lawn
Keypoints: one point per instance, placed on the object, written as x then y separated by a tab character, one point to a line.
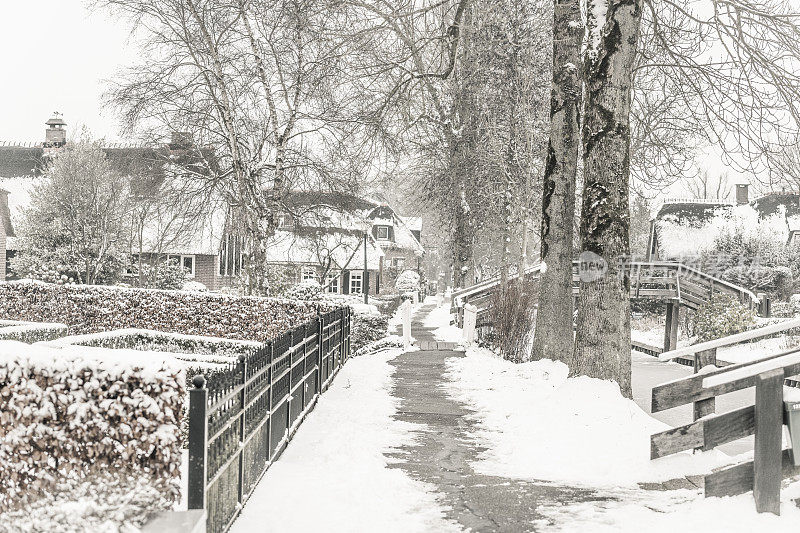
334	476
538	424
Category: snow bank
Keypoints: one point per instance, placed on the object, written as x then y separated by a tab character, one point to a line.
670	512
539	424
348	479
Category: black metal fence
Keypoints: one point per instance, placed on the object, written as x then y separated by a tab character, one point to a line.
240	420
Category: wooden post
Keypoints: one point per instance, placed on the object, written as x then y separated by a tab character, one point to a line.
198	449
671	328
704	358
767	451
406	324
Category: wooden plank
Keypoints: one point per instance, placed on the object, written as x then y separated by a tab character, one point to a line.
701	359
751	371
689	390
767	450
731	339
706	434
738	479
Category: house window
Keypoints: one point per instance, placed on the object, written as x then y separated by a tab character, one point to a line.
332	283
308	273
186	261
398	262
383	233
231	258
356	282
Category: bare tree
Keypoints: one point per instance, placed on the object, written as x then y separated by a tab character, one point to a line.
602	342
554	319
704	186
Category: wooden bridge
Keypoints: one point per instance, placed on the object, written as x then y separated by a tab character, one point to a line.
676	284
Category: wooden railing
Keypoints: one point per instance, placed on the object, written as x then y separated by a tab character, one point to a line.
241	419
652	280
765	419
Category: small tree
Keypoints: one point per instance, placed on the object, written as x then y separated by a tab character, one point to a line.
77	222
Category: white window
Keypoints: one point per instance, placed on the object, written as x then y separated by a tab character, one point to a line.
356	282
308	273
398	262
332	283
383	233
186	261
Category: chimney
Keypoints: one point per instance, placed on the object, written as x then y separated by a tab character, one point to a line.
55	136
742	195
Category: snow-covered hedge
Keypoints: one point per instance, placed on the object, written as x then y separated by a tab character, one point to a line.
30	332
392	341
367	328
69	413
91	309
305	290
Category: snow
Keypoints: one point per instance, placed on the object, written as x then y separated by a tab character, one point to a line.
537	423
440	318
347	479
742	353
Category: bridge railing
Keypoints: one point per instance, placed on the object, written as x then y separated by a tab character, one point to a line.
764	419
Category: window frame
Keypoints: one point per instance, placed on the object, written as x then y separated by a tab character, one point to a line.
357	276
332	281
378	233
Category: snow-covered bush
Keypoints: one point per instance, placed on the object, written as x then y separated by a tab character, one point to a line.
91	309
194	286
407	282
166	275
68	414
309	289
30	332
392	341
366	328
721	316
775	280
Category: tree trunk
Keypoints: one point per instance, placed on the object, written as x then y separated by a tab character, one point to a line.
602	342
553	334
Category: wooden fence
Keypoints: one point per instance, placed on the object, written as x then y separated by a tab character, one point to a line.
765	418
241	419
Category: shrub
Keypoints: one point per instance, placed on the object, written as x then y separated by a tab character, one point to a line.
366	328
305	290
775	280
392	341
512	320
165	275
721	316
407	281
30	332
68	415
92	309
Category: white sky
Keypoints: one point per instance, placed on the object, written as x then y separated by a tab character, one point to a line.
54	56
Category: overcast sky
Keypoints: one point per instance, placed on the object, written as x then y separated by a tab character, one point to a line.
54	56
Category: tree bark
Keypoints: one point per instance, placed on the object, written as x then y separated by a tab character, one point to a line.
553	337
602	342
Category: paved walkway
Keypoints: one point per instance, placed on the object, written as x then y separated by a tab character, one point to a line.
444	449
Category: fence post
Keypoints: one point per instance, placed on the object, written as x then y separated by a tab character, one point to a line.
242	413
470	318
769	431
270	405
198	449
701	359
407	324
320	352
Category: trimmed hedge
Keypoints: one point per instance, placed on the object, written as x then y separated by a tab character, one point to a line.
30	332
92	309
67	414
